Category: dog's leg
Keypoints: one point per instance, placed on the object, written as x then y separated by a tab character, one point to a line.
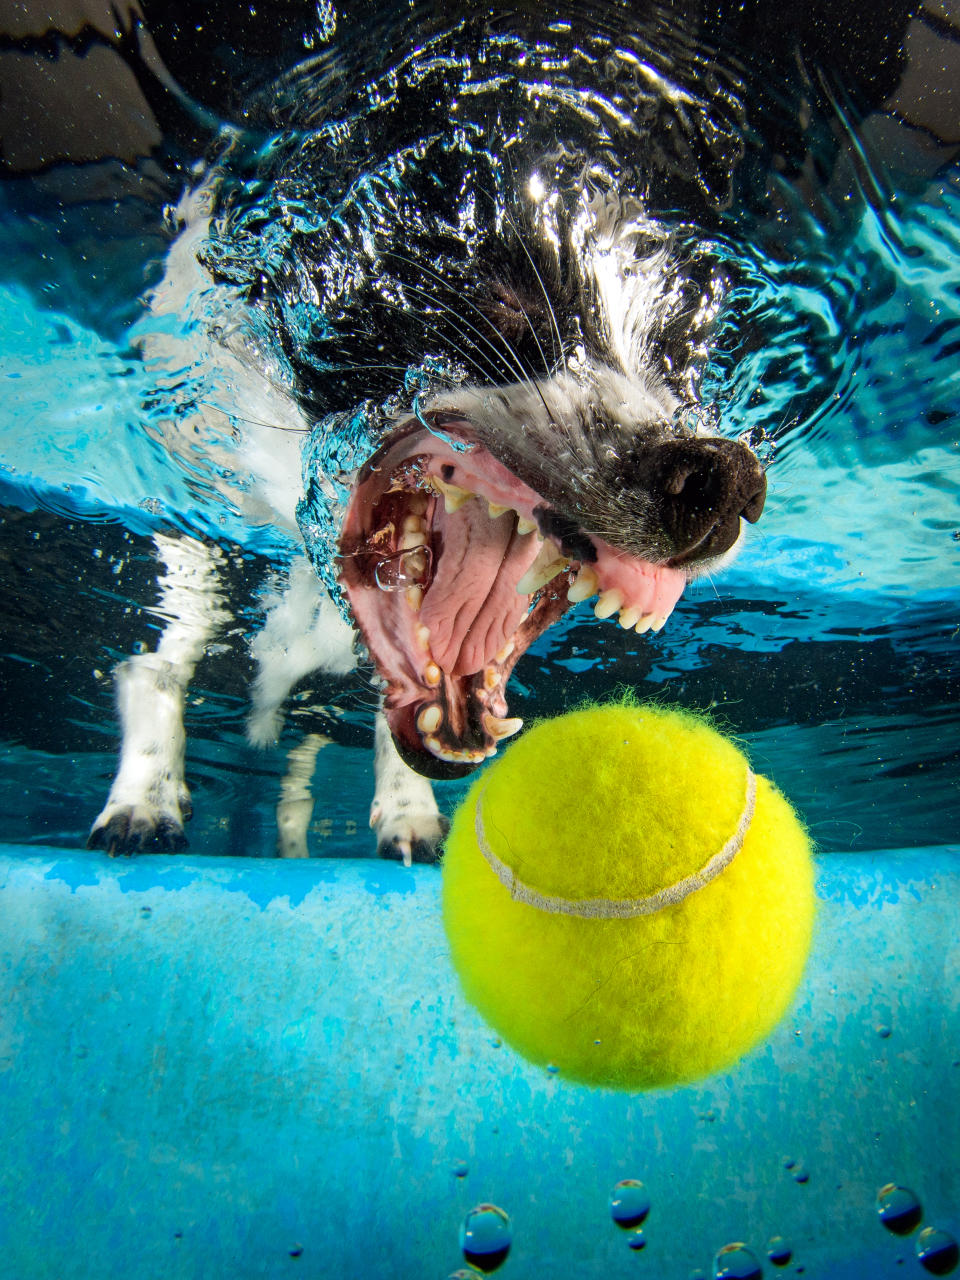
295	807
302	632
404	813
149	801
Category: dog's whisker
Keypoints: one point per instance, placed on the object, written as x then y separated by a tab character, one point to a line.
428	271
459	323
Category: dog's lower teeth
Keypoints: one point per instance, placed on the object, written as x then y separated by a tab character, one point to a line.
525	526
432	675
414	598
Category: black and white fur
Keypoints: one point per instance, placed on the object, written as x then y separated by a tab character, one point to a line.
601	405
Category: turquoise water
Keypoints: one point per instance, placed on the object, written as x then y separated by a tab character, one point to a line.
829	644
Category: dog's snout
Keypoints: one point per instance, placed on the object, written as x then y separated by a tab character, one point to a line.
704	486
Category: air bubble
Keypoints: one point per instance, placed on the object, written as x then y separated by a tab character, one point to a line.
778	1251
899	1209
629	1203
636	1240
404	569
937	1251
460	1168
737	1262
486	1237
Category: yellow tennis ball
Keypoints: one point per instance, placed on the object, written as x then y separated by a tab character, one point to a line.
625	900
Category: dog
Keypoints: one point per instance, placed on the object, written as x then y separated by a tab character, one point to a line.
430	326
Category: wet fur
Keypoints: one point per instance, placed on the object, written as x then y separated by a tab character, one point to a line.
576	383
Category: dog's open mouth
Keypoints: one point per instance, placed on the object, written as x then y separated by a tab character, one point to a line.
453	567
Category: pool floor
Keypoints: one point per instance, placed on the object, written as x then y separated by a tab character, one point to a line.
216	1067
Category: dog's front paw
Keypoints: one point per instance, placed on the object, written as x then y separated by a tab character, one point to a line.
137	828
408	835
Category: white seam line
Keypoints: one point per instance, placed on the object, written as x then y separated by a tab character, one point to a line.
621	908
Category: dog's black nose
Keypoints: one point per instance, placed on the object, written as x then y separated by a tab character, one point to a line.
703	486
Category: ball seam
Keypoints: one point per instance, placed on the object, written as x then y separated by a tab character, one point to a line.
620	908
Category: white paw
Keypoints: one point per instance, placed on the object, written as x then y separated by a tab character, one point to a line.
139	828
407	834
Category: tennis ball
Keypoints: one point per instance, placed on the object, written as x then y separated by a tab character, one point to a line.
625	900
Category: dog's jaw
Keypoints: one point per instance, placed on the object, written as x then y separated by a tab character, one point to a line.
454	562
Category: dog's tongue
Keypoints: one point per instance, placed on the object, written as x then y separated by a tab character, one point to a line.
472	606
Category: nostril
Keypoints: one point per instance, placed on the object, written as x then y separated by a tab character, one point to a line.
673	485
754	505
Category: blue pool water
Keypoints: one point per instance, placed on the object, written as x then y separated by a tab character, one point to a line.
223	1064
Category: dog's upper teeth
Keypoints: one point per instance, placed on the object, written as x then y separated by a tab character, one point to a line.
414	598
412	538
628	618
422	635
453	496
501	727
525	526
584	585
547	565
414	523
428	721
495	510
609	603
432	675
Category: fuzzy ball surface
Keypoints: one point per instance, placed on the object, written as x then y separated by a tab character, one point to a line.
617	804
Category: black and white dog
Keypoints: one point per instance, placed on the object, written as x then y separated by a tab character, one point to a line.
428	311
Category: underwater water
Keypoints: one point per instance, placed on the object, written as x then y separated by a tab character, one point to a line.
290	1080
829	645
